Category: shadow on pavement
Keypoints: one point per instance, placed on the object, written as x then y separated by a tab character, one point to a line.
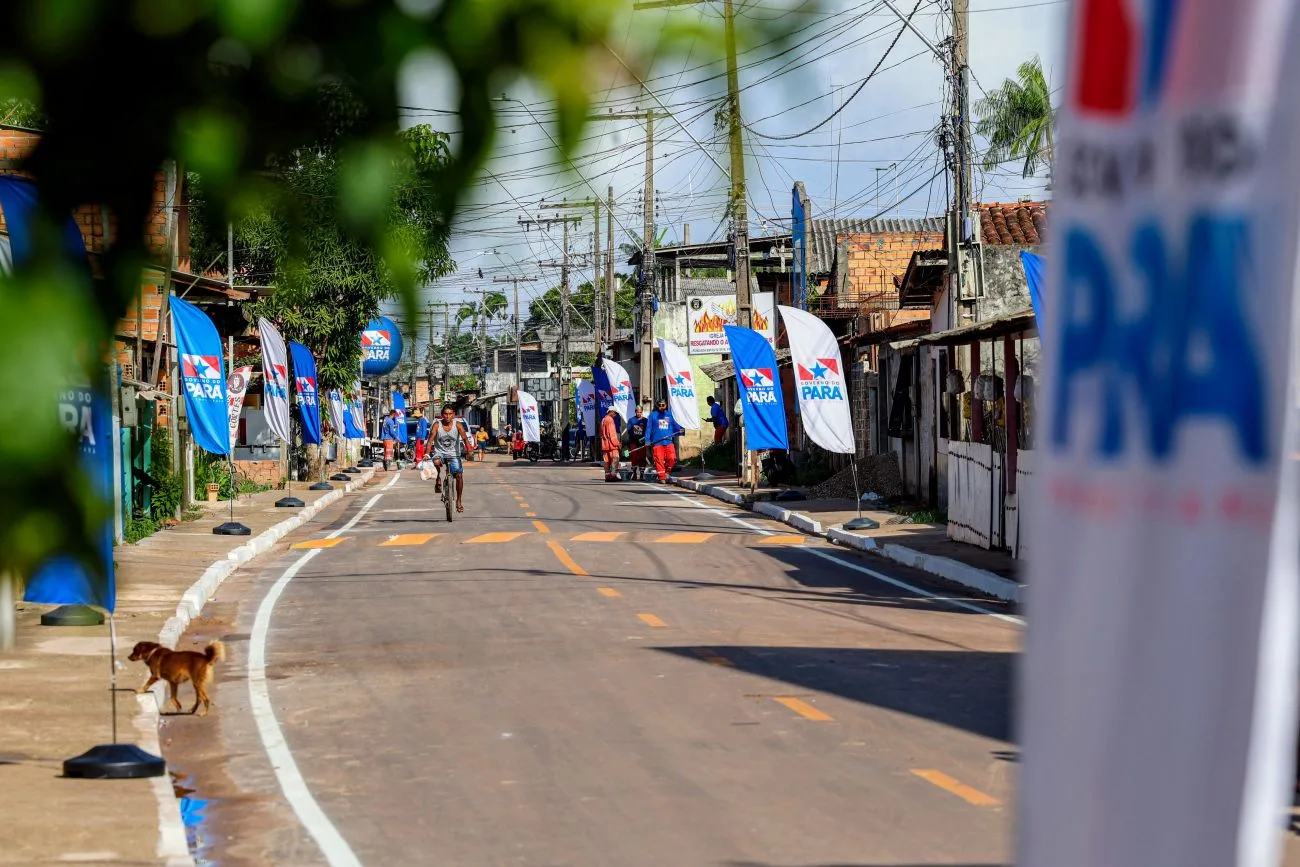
968	690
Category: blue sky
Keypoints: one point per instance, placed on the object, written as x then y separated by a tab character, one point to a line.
877	156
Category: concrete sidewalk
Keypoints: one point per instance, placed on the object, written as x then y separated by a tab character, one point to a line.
55	698
920	546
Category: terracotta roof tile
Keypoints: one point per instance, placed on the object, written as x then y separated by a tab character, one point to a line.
1020	224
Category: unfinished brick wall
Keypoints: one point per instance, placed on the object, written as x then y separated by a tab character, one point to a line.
17	144
260	472
874	260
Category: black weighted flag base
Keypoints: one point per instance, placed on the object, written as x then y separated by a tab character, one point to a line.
114	762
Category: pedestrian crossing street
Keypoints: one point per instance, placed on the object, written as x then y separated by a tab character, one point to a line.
410	540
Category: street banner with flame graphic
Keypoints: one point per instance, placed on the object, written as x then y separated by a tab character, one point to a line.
708	315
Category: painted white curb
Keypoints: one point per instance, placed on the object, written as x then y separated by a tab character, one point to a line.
173	847
946	568
787	516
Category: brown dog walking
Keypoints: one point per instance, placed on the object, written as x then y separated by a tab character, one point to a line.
178	666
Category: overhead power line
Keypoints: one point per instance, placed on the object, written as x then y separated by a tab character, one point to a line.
863	84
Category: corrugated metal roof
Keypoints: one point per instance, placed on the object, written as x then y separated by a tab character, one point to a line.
822	235
720	371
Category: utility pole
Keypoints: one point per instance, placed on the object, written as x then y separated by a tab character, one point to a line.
519	358
968	269
446	351
562	382
740	215
611	303
647	280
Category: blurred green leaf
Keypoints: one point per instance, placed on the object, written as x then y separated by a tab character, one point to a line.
256	22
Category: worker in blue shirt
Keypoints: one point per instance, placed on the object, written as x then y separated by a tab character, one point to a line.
659	433
421	438
388	433
718	416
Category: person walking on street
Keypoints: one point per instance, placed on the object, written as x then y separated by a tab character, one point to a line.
609	444
388	433
718	416
660	430
421	438
636	444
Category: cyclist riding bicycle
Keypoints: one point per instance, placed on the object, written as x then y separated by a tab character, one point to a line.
449	434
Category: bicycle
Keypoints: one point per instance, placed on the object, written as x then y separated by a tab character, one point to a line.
447	481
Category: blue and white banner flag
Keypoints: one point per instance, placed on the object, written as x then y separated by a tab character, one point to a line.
613	388
203	377
304	381
337	412
819	381
760	388
354	422
1158	686
530	421
682	400
275	380
85	412
399	404
88	416
585	395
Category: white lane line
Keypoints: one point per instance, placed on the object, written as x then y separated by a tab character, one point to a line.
332	845
392	481
879	576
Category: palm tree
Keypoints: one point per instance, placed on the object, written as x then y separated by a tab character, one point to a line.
1016	119
637	245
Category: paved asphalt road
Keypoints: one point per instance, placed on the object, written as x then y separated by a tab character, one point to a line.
580	673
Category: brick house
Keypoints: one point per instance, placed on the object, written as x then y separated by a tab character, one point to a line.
947	399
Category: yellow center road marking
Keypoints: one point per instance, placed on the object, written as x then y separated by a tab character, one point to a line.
517	497
530	514
685	538
597	537
568	561
956	787
409	539
711	657
779	540
524	506
541	528
489	538
318	543
803	708
651	620
610	592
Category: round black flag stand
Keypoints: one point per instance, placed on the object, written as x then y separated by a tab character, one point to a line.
232	527
861	522
340	477
114	761
352	470
288	501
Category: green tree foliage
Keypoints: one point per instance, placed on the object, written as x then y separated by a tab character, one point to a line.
227	88
1017	120
15	111
329	281
544	310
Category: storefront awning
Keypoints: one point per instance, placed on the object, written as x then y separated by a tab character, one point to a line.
999	326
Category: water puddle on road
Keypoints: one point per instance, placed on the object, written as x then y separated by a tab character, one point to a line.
194	817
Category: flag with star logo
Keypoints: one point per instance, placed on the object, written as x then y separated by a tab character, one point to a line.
682	399
819	381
